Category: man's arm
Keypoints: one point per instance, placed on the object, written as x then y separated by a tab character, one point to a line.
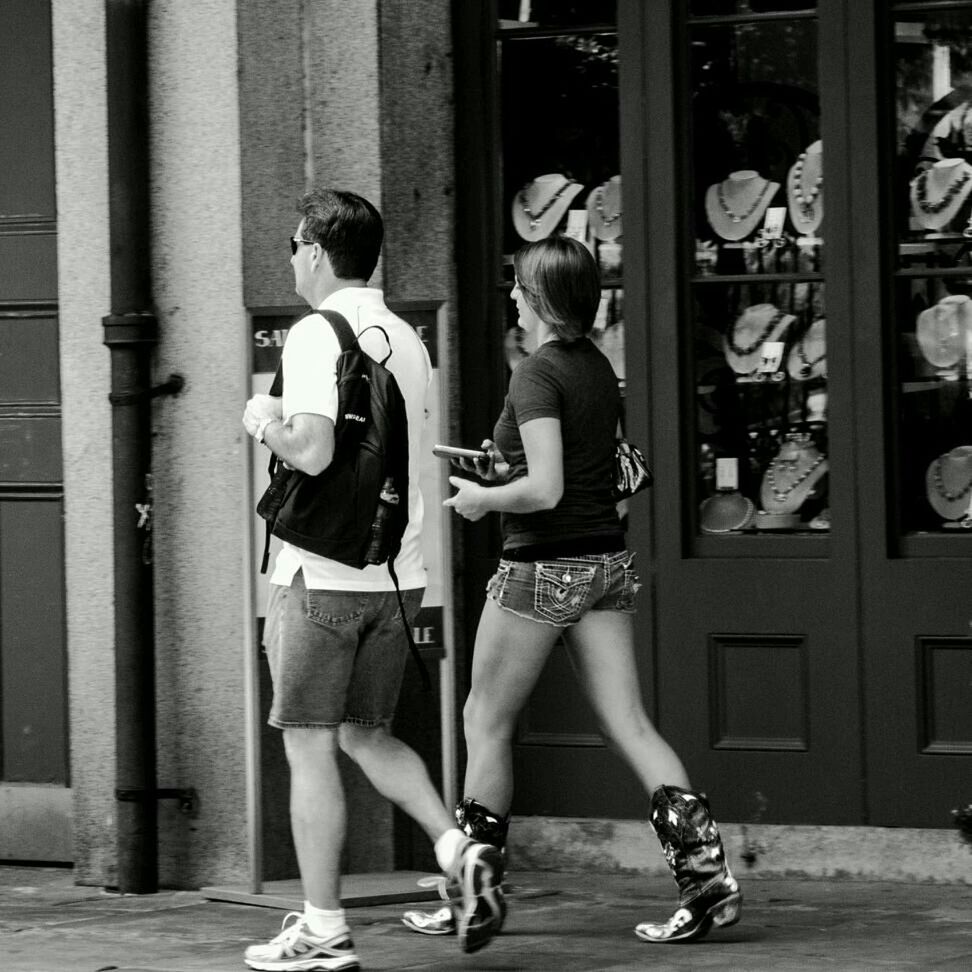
305	441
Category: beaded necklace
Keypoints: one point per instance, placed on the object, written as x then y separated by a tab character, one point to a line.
599	207
780	494
736	217
804	197
921	192
940	484
806	369
536	217
749	349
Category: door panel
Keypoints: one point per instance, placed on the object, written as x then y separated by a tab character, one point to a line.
760	693
34	799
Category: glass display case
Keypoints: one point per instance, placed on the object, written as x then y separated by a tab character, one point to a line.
932	298
557	66
757	295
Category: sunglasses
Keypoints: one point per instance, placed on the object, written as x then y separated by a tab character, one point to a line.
295	242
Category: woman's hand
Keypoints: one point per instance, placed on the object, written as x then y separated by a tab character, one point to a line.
494	468
470	500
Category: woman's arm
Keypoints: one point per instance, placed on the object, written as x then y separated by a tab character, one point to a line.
541	488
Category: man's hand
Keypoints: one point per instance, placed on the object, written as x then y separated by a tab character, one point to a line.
261	407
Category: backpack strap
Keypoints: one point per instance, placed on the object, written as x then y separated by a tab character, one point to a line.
342	329
419	661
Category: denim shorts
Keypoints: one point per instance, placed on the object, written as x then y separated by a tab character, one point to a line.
335	656
561	591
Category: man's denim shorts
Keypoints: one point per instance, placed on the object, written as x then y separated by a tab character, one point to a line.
335	656
561	591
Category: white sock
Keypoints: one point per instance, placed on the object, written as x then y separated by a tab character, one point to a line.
324	923
447	846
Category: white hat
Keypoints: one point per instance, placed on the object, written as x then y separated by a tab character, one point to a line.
540	205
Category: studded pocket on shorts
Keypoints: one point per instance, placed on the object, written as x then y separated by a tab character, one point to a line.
561	590
497	583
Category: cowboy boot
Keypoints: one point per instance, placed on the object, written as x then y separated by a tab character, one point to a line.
707	892
484	826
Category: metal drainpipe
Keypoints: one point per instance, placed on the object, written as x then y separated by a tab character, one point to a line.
131	332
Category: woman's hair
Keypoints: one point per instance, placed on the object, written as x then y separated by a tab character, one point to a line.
348	228
560	281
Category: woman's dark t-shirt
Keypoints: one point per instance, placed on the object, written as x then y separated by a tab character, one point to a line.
574	383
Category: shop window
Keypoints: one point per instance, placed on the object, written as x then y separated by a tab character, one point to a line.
559	149
932	212
757	294
556	13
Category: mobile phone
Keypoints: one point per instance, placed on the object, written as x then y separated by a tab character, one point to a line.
453	452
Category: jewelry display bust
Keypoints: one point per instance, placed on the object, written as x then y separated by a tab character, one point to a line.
942	330
792	476
743	343
604	209
540	205
808	356
804	190
939	193
735	206
948	484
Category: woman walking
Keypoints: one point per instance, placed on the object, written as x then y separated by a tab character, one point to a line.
565	572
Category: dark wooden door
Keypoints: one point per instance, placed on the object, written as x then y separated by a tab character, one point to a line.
33	709
914	418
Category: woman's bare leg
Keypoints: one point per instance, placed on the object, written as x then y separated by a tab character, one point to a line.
601	647
508	658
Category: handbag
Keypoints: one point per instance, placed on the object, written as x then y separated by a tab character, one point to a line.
631	471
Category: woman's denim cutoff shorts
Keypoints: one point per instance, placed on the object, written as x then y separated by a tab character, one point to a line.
561	591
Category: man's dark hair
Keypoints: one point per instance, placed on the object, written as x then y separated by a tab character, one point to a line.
348	228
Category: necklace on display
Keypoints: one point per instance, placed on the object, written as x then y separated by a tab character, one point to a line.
599	207
740	217
807	366
780	493
939	481
932	206
536	217
802	196
744	352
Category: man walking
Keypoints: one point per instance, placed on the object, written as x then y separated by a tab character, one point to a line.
334	636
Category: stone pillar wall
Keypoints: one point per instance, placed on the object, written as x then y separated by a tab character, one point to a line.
84	295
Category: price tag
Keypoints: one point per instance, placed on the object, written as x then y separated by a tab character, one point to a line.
727	473
771	357
773	222
577	224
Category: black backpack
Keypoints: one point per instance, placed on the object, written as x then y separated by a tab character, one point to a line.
333	514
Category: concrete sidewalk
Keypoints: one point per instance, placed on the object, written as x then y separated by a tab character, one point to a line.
558	922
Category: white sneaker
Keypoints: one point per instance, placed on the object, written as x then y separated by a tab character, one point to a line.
479	870
296	949
442	921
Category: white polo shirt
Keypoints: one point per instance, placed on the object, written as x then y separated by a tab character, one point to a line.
310	385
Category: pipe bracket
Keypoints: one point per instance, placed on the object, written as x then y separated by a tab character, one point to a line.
188	797
173	386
